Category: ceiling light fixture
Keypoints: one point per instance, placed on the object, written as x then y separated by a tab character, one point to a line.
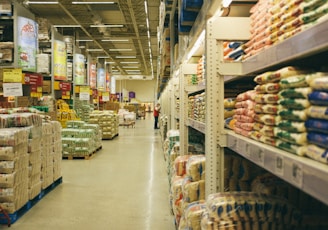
84	40
94	50
102	57
78	2
68	26
115	40
120	49
40	2
129	62
125	56
104	25
130	67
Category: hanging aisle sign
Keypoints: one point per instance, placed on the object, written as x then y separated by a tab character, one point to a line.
12	89
12	75
101	80
79	70
84	93
27	43
93	75
60	71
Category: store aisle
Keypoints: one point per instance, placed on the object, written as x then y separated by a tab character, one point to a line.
123	187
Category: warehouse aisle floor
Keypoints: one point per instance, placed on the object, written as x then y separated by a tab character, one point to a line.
123	187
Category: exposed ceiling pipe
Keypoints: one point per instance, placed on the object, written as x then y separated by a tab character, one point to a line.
137	34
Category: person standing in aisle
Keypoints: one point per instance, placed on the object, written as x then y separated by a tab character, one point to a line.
157	110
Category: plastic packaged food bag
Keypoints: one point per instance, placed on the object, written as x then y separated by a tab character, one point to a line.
292	126
317	125
196	167
318	98
295	92
320	112
319	139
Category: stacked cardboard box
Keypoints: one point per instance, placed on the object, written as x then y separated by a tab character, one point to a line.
108	122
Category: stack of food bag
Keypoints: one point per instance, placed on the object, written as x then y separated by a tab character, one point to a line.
249	210
293	104
233	51
14	168
261	24
317	123
192	215
79	142
187	184
238	172
108	121
244	113
229	112
200	78
196	107
273	22
83	109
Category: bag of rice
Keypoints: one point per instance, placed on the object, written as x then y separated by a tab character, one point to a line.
295	92
294	103
319	139
319	98
267	88
317	125
293	115
320	83
316	153
294	138
266	108
292	126
320	112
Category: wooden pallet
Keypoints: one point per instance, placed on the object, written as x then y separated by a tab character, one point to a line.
82	157
110	138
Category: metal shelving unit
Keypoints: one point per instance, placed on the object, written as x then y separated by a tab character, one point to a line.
199	126
305	174
304	44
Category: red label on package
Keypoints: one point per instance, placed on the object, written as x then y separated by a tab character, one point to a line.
65	86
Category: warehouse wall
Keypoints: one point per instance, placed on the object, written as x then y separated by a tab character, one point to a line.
144	89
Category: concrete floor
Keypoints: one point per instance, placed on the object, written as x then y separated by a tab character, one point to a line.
123	187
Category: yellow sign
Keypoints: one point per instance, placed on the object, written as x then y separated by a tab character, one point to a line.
85	89
12	75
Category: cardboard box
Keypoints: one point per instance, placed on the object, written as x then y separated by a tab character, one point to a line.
46	87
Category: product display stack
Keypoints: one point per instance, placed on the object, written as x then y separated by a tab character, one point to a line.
14	168
244	113
317	123
196	107
108	122
187	186
20	140
83	109
78	141
64	113
249	210
51	153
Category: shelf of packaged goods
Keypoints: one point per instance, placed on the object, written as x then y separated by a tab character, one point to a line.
311	41
199	126
304	173
190	89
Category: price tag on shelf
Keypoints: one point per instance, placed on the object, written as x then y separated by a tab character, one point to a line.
297	174
257	154
243	148
232	142
279	165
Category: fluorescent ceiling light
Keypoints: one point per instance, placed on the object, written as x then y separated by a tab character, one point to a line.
95	50
104	25
40	2
115	40
67	26
120	49
82	47
130	67
129	62
102	57
78	2
132	70
125	56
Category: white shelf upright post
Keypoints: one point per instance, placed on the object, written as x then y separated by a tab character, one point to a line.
218	29
185	69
